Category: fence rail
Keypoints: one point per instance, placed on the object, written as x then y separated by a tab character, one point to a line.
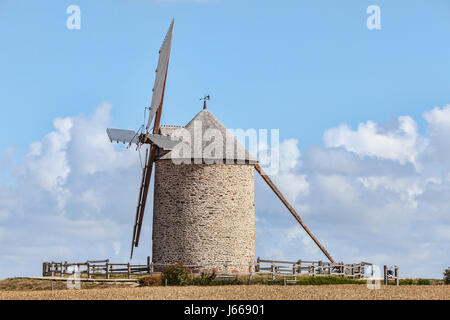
273	268
95	268
391	272
311	268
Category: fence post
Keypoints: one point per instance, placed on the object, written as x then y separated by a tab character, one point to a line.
63	268
148	264
88	270
107	269
385	275
272	269
129	271
53	269
396	276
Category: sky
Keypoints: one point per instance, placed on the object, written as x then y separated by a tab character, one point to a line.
363	117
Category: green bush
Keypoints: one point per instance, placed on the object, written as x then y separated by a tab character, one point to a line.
327	280
178	275
322	280
406	282
205	279
410	282
175	275
423	282
447	276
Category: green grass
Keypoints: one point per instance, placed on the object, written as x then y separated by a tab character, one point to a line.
322	280
327	280
178	275
411	282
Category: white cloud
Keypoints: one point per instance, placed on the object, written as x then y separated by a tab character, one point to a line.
438	152
439	117
293	185
297	233
72	198
46	161
374	194
401	143
379	193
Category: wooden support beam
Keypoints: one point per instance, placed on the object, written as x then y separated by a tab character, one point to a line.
291	210
396	276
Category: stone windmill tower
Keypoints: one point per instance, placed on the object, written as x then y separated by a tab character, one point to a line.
204	206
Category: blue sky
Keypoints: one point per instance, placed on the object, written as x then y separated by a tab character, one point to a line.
301	66
304	67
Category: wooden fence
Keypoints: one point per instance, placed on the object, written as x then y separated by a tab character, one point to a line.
311	268
273	268
95	268
391	272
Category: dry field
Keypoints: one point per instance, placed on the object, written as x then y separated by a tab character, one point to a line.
242	292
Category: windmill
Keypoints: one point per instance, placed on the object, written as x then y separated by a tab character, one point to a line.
202	212
154	139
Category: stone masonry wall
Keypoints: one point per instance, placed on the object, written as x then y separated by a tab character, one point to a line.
204	214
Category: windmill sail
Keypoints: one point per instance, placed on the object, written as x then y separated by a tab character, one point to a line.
155	108
142	200
161	73
164	142
120	135
137	219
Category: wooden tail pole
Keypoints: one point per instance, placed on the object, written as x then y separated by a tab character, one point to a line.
291	209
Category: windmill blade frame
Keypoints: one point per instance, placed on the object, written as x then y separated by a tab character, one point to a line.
161	74
144	170
121	135
164	142
142	200
154	111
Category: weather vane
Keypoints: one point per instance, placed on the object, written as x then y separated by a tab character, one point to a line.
205	98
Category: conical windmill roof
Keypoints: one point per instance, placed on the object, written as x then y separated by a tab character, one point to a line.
209	139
